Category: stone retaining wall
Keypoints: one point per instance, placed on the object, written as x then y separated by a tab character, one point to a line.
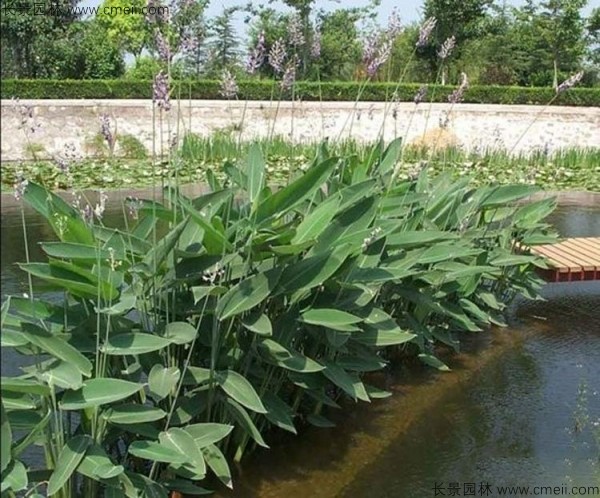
58	124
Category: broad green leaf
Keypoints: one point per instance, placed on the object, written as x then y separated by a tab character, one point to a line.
242	417
416	238
63	375
179	440
390	157
259	324
157	452
68	460
237	387
376	393
180	332
186	487
134	343
19	385
208	433
434	362
133	414
247	294
278	412
330	318
124	305
6	439
316	221
218	464
161	380
98	391
301	189
14	477
348	383
504	194
68	250
201	292
57	347
311	271
287	358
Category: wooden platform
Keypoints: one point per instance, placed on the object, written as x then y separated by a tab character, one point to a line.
571	259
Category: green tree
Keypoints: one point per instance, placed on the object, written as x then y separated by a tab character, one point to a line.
130	32
562	27
222	43
29	38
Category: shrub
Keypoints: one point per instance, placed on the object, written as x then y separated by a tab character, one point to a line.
263	90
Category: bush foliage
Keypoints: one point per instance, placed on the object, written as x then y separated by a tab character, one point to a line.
304	90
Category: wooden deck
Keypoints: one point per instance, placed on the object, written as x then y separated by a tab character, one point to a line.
571	259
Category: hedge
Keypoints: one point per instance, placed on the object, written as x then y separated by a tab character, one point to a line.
263	90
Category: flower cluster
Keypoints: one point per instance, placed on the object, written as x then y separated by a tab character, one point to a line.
420	95
569	83
382	55
457	95
371	238
20	187
289	76
315	48
447	48
295	31
229	87
106	132
277	56
394	25
162	47
26	115
425	32
257	56
160	91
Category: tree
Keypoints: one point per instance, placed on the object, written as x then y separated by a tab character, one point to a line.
30	36
222	43
462	19
563	29
130	32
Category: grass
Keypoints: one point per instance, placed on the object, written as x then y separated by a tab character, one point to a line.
570	169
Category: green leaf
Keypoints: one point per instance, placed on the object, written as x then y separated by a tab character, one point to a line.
287	358
293	194
6	439
156	452
179	440
208	433
242	417
240	389
57	347
98	391
96	464
330	318
161	380
416	238
62	374
14	477
255	171
19	385
259	324
133	414
180	332
278	412
218	464
200	292
68	460
390	157
134	343
247	294
186	487
68	250
434	362
505	194
316	221
348	383
319	421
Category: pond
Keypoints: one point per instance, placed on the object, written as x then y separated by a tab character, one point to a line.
521	405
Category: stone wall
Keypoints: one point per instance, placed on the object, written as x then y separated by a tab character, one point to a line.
57	124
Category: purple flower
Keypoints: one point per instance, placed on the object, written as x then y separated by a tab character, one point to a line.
257	56
569	83
425	31
394	24
160	91
156	12
106	132
229	87
277	56
420	95
457	95
383	54
289	76
447	48
370	48
162	47
315	48
295	31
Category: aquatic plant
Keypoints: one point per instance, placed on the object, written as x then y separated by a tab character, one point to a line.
255	309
